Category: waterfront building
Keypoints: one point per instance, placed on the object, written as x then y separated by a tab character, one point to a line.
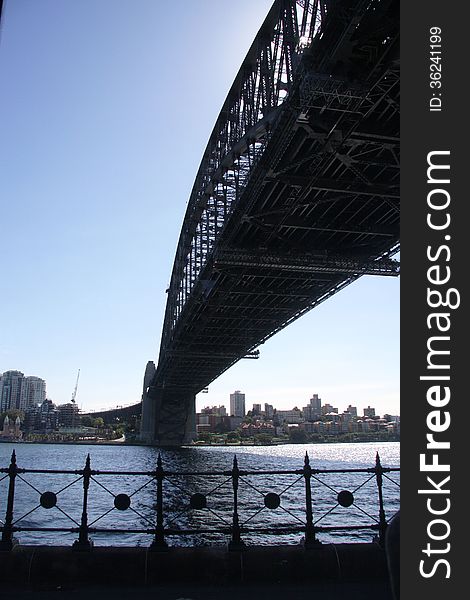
219	411
43	418
216	423
309	413
208	422
203	428
234	422
353	426
289	416
367	424
328	408
20	392
318	427
214	419
11	429
33	392
268	411
333	427
308	427
252	429
333	417
371	424
393	427
312	411
10	390
315	402
369	412
68	415
237	404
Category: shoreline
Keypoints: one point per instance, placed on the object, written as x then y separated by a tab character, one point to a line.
195	445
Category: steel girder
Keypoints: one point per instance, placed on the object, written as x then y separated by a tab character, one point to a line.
238	139
297	194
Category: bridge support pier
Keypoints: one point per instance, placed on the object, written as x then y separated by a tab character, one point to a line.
168	417
190	433
147	422
147	419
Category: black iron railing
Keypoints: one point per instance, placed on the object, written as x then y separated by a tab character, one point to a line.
172	494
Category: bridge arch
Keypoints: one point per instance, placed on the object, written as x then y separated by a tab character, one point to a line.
296	196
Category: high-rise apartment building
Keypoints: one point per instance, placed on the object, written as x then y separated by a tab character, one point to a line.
33	392
268	410
237	404
18	391
369	412
10	390
315	403
313	411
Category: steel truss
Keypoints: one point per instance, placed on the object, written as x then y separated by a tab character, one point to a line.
297	194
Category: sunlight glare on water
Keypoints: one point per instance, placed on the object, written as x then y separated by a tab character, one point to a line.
178	489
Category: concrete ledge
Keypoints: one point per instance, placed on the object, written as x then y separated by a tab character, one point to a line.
61	566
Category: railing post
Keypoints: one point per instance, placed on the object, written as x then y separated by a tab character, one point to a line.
159	543
84	543
310	539
382	518
236	542
7	542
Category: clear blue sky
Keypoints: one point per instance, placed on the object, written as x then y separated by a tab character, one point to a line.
106	107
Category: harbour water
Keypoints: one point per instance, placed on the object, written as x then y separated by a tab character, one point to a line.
177	490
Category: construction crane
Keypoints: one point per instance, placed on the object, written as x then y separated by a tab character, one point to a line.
76	386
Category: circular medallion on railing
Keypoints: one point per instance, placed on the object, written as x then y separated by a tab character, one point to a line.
345	498
122	501
48	500
198	501
272	501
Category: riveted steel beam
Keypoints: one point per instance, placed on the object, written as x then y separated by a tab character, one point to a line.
307	264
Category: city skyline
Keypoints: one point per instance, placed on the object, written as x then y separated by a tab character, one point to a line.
111	147
237	395
342	408
297	423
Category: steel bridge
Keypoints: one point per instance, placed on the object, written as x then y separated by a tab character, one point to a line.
297	196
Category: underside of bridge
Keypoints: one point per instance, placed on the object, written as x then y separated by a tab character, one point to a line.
297	196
